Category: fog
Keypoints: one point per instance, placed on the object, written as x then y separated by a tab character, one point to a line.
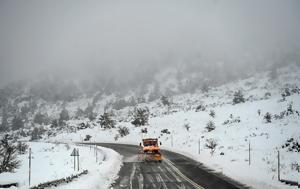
121	39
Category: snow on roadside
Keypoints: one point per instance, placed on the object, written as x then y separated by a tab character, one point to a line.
53	161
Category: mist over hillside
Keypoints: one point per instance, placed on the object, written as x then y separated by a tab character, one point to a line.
116	46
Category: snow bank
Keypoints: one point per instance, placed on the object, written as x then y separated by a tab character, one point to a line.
53	161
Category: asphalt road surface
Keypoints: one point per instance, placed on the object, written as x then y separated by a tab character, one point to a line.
175	172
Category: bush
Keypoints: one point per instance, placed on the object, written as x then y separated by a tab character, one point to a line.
166	131
212	113
63	117
37	134
40	118
17	123
140	116
187	126
22	147
232	120
210	126
200	107
211	144
238	97
165	101
106	121
87	138
123	131
8	155
268	117
292	145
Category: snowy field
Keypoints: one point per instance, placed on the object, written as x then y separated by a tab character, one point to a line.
231	154
53	161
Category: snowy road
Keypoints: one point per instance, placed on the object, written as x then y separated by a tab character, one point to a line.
176	171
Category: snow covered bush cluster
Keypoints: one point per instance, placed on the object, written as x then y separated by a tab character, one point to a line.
292	145
232	120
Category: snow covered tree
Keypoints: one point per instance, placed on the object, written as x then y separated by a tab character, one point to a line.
123	131
79	113
63	117
4	123
22	147
54	123
211	144
212	113
106	121
40	118
140	116
210	126
268	117
8	155
36	134
238	97
165	101
17	123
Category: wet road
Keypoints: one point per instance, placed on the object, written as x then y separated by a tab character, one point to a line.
175	172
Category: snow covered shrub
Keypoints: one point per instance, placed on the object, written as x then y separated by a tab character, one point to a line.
268	117
295	166
106	121
238	97
123	131
212	113
40	118
17	123
289	111
187	126
8	155
259	112
210	126
87	138
200	107
144	130
63	117
54	123
267	95
292	145
140	116
165	101
22	147
205	88
37	133
232	120
211	144
166	131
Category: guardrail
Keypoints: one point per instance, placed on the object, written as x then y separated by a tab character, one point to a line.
59	181
8	185
290	182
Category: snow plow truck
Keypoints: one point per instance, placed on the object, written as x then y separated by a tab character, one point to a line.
150	150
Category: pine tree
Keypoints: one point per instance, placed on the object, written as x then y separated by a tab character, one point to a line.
165	101
4	124
238	97
63	117
17	123
106	121
140	116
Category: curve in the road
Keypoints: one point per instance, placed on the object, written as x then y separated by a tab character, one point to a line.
175	172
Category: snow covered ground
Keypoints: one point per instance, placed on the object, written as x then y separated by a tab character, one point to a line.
53	161
231	155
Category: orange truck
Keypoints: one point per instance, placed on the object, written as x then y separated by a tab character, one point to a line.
150	150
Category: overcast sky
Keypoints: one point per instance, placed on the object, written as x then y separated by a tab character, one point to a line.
87	37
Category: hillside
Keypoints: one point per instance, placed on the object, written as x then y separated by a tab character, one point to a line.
265	112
